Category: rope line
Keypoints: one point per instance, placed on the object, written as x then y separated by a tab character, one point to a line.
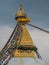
9	51
38	28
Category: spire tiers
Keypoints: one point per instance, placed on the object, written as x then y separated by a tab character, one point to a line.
21	16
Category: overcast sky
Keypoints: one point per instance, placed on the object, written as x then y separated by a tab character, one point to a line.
37	11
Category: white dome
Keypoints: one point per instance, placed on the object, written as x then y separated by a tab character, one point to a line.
26	61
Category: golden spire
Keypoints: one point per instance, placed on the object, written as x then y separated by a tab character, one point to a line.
20	12
21	15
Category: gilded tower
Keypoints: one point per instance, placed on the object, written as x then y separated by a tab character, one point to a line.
26	45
